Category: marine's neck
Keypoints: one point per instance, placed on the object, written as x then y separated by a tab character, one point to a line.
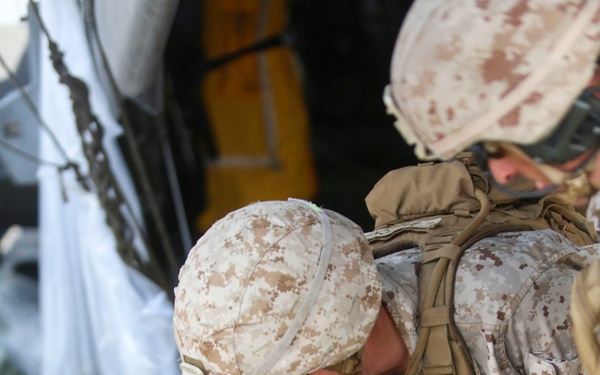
385	351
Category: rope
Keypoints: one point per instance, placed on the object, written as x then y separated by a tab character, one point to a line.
109	193
32	107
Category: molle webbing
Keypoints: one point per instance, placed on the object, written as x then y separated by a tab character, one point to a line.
443	209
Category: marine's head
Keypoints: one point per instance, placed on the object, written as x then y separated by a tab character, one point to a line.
508	77
276	287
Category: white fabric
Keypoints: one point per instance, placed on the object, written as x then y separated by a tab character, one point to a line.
98	315
593	211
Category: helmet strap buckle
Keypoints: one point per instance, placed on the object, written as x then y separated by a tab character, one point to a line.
188	369
191	366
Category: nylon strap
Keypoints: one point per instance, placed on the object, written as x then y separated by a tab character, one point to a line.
435	316
436	286
309	301
449	252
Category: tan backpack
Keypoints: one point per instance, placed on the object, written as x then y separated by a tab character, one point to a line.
443	209
585	315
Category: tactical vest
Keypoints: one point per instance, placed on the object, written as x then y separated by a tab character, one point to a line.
443	209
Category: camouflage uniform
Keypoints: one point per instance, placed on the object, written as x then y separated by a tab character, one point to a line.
250	275
512	297
470	71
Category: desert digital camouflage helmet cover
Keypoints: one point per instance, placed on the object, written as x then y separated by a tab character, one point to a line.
466	71
276	287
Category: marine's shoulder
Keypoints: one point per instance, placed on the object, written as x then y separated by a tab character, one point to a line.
521	254
546	241
496	273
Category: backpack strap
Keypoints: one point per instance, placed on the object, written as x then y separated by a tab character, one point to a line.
585	315
443	209
440	346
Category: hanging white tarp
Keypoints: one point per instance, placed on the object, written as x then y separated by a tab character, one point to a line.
98	315
134	34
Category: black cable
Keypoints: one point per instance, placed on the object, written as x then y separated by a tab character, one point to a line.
481	156
270	42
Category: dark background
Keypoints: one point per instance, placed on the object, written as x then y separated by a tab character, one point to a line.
344	49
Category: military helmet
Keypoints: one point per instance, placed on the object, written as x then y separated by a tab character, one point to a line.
276	287
465	71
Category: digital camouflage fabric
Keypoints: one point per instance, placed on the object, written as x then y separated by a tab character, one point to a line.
493	285
244	284
469	70
512	295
